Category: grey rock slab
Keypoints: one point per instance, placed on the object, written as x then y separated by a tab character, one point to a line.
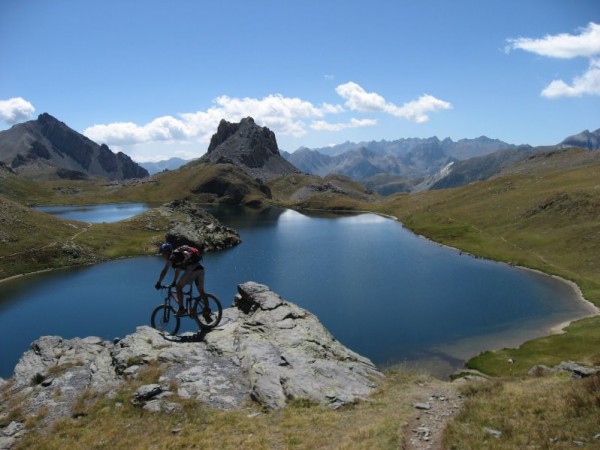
266	349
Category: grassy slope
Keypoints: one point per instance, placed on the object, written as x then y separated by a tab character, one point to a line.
161	188
33	241
535	412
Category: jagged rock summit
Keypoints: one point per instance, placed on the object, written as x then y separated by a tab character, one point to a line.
266	350
48	148
250	147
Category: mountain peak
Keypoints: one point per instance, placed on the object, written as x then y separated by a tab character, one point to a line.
249	146
585	139
45	117
48	148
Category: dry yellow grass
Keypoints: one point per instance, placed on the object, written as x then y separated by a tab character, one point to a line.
547	412
115	423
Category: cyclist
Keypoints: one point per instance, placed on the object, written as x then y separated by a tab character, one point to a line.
184	259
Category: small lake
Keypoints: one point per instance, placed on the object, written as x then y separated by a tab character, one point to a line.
109	212
378	288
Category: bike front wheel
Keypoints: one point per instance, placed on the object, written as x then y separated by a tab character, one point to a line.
208	312
165	319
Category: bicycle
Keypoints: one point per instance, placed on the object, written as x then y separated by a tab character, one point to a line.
206	312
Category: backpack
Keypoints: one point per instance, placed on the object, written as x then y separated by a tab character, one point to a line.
185	255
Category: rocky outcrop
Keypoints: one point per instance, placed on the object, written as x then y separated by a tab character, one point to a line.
266	350
576	370
250	147
192	225
47	147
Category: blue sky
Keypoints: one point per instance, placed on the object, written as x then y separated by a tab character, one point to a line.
154	78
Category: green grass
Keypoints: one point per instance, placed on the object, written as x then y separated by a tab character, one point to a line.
185	182
581	343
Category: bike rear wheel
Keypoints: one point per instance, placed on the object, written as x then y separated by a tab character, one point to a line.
165	319
208	312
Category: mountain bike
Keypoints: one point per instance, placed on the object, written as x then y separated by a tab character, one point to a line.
207	311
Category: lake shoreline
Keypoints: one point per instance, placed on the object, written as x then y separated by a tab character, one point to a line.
551	329
557	329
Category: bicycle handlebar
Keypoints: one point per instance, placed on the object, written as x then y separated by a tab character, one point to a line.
162	286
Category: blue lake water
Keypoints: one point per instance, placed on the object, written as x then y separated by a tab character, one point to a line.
379	289
110	212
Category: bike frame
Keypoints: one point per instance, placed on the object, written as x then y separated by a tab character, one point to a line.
206	310
190	302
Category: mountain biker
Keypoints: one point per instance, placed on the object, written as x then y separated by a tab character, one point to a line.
184	259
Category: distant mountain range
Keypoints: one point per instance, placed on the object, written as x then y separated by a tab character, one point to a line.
48	148
392	166
409	165
168	164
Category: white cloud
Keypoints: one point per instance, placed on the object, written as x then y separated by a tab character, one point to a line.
15	110
357	99
283	115
417	109
566	46
586	44
588	83
321	125
164	128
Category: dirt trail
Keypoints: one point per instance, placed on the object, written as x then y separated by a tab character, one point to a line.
436	403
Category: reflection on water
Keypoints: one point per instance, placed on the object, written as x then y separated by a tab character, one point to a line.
379	289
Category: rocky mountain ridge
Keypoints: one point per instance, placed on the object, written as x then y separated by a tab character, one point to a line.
250	147
415	165
392	166
48	148
462	149
585	139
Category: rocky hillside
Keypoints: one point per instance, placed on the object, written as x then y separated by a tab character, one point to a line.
407	158
266	350
477	169
585	139
47	148
250	147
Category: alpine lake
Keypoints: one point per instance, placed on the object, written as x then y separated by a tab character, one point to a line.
382	291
